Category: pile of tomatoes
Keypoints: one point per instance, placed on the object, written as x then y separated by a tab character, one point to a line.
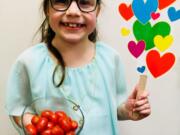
51	123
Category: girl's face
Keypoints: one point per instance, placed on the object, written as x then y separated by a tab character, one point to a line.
72	25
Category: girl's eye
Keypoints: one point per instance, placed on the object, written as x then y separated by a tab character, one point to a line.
85	2
60	1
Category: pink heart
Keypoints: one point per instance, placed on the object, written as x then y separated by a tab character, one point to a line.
136	49
155	15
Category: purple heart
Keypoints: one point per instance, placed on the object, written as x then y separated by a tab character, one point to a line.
136	49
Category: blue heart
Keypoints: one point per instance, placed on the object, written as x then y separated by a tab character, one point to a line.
142	10
173	14
141	69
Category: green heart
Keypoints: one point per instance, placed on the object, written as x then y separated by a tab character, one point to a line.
147	32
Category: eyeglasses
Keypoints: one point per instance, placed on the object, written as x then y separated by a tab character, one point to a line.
83	5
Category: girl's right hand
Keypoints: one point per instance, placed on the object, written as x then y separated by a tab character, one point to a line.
26	119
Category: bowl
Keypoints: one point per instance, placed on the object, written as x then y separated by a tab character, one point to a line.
68	106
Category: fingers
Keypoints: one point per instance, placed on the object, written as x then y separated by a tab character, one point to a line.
139	105
146	112
27	118
141	102
142	106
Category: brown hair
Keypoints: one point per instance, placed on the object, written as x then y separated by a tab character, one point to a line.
47	35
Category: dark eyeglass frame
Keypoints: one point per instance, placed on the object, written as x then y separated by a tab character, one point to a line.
77	5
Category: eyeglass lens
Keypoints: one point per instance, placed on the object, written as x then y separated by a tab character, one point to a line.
84	5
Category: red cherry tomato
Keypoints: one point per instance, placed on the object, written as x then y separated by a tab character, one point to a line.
46	132
61	114
57	130
74	125
35	120
71	133
53	118
65	124
31	129
42	124
69	119
50	125
46	113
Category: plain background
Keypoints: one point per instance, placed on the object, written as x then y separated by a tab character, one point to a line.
19	21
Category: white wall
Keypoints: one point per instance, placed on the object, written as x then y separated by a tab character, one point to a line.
19	21
164	91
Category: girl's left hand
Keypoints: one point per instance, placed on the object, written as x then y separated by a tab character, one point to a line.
140	108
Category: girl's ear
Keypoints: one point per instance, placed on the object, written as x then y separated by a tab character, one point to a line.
47	12
98	10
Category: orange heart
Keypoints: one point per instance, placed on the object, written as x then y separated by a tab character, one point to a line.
158	65
165	3
126	11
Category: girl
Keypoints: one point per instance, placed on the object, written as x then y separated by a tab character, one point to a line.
69	62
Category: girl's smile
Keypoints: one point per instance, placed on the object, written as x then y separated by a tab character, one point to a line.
72	26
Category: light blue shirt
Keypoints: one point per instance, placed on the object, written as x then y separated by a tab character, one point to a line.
98	87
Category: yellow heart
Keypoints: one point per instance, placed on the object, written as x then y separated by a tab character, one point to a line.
125	31
163	43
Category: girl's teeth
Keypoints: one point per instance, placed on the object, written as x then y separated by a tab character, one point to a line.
72	25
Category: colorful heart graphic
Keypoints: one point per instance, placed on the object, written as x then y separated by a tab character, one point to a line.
159	65
147	32
142	10
165	3
136	49
141	69
173	14
125	31
163	43
155	15
126	11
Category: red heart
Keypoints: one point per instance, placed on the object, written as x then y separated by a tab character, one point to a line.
155	15
126	11
165	3
159	65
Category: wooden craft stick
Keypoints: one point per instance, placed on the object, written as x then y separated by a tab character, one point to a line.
141	85
141	88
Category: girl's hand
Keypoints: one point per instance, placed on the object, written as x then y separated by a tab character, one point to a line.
26	120
137	109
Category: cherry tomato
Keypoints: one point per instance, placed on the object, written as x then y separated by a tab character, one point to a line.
61	114
57	130
35	120
65	124
69	119
46	113
46	132
42	124
50	125
31	129
74	125
53	118
71	133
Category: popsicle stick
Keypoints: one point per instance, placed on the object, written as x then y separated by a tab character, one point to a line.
141	85
141	88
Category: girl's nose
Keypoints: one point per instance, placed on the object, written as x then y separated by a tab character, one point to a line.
73	9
